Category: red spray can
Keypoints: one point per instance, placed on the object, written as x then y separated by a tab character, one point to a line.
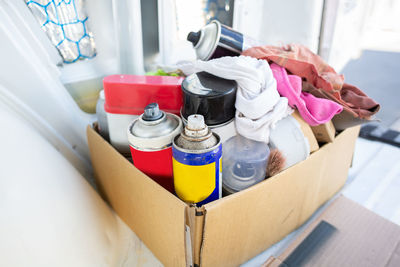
150	140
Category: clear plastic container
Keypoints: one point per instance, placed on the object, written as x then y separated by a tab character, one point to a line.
289	139
102	116
244	163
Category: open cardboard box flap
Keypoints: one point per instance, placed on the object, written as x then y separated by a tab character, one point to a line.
345	234
154	214
250	221
230	230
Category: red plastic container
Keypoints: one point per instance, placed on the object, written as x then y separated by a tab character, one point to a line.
129	94
126	96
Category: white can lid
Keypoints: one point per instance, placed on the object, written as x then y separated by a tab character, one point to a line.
196	126
196	122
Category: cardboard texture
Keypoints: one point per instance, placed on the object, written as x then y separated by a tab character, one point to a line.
306	129
242	225
154	214
231	230
345	234
325	133
196	224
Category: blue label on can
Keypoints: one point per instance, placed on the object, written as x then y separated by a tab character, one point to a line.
197	176
231	39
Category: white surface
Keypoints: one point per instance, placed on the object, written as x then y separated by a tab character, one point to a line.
30	85
174	23
7	99
27	25
341	41
117	126
128	31
280	22
50	216
382	26
226	131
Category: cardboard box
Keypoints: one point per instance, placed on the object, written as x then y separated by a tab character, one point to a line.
345	234
228	231
325	133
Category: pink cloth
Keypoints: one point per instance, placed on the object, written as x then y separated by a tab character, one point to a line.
322	80
313	110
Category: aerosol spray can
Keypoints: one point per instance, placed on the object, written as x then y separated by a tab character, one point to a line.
150	140
197	154
218	40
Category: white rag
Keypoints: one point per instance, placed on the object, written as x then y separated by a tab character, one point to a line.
258	103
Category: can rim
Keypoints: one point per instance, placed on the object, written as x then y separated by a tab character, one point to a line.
214	47
153	142
150	149
174	145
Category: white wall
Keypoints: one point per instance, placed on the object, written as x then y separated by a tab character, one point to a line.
280	22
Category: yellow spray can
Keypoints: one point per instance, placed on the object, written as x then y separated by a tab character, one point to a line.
197	154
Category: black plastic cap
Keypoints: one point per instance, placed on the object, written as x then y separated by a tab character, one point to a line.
194	37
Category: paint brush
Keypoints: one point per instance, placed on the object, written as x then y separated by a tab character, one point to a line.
276	162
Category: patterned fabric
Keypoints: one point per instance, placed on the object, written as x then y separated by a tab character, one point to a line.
321	79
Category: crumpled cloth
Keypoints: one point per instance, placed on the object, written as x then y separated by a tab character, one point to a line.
322	79
258	103
312	109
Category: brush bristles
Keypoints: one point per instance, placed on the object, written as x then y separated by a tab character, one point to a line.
276	162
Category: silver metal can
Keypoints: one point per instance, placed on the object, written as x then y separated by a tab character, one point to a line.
197	153
218	40
150	139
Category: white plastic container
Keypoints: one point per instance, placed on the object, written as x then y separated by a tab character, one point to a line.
225	130
118	138
244	163
102	116
290	140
